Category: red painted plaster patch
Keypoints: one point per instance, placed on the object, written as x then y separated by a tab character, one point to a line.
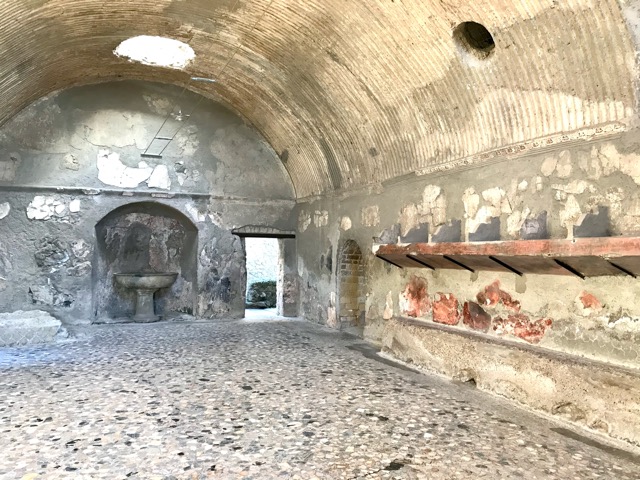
590	301
416	298
521	326
445	309
492	295
474	316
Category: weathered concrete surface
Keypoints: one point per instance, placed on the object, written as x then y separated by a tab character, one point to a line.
537	196
27	328
83	164
92	137
546	195
595	395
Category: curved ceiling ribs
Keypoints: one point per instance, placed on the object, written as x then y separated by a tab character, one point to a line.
349	93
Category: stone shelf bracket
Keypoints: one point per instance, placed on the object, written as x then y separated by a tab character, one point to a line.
582	257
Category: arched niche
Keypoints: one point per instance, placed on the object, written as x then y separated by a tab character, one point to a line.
351	285
144	237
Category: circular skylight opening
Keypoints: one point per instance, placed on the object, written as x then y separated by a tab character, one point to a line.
156	51
474	39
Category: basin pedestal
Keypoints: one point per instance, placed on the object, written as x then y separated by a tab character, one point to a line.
145	285
145	312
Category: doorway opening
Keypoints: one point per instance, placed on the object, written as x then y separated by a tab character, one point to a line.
263	259
351	308
273	246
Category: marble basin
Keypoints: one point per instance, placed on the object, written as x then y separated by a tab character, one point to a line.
145	285
154	281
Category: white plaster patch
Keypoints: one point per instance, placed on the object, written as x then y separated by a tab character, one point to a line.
408	218
523	185
5	208
111	171
156	51
564	167
548	166
160	178
515	221
74	206
304	220
497	198
195	214
46	208
611	160
388	307
38	209
434	206
624	324
575	187
345	223
321	218
570	214
494	196
484	215
431	192
538	184
560	195
471	201
370	216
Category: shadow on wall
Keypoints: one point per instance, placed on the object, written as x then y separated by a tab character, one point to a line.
145	237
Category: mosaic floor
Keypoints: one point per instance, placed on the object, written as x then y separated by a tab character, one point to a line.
261	400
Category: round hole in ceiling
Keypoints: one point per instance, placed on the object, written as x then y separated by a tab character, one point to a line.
156	51
474	38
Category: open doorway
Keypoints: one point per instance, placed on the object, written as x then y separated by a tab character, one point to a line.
263	260
263	246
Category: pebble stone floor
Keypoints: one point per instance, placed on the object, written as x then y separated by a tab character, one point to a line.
262	400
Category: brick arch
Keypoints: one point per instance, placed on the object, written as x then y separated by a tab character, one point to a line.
351	285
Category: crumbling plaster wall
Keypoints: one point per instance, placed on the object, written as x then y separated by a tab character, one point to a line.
590	189
73	157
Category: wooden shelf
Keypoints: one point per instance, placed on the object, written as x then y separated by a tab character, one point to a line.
583	257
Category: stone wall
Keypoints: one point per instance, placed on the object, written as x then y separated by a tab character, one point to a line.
70	159
590	189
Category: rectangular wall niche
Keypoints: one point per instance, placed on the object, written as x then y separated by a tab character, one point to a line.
145	237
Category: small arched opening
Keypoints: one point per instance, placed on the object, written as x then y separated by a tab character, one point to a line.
351	286
144	237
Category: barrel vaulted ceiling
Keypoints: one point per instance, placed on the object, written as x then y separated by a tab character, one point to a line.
348	92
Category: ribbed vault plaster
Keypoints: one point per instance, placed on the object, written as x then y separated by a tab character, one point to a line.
348	92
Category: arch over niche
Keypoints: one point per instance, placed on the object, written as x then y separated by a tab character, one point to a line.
147	237
351	285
